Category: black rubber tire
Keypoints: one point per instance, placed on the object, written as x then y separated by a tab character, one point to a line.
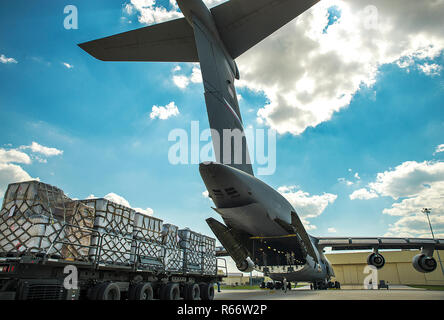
141	291
206	291
192	292
171	291
108	291
93	291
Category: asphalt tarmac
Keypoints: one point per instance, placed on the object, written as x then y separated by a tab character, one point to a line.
304	293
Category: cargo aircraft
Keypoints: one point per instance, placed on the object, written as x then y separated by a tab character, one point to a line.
261	229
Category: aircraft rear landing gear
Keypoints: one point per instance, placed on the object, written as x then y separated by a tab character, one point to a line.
325	285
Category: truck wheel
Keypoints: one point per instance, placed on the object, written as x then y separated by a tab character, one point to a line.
206	291
192	292
141	291
93	292
170	292
108	291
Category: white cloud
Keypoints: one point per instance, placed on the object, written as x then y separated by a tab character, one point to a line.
206	194
10	173
46	151
147	211
163	113
432	197
430	69
408	179
67	65
122	201
332	230
149	13
181	81
357	176
117	199
307	74
13	155
415	185
307	206
363	194
5	60
439	149
417	226
196	75
347	182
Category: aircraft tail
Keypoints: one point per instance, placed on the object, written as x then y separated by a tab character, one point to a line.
240	25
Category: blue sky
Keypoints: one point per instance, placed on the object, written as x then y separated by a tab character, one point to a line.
98	114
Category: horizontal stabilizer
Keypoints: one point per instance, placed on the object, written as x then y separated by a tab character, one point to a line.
244	23
171	41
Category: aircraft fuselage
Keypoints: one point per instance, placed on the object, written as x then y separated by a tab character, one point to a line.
250	206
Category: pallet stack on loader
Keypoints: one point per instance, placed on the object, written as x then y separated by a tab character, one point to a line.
40	219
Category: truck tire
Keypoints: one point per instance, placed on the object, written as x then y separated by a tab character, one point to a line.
141	291
171	291
93	291
206	291
108	291
192	292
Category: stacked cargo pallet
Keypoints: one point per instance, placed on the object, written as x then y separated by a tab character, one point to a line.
173	259
37	218
33	220
146	249
209	263
191	243
115	225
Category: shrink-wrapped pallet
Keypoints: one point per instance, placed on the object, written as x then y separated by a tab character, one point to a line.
112	217
33	218
114	224
30	234
147	255
79	232
170	237
173	260
190	240
147	228
209	260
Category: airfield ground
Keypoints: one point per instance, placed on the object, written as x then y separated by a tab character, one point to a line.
304	293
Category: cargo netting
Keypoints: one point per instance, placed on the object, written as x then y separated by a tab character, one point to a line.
40	219
36	218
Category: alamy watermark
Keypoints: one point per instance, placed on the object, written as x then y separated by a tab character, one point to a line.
371	281
228	145
71	21
71	281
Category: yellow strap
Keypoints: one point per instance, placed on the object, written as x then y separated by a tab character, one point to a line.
275	237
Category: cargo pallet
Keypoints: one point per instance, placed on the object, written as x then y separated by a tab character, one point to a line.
40	276
56	248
